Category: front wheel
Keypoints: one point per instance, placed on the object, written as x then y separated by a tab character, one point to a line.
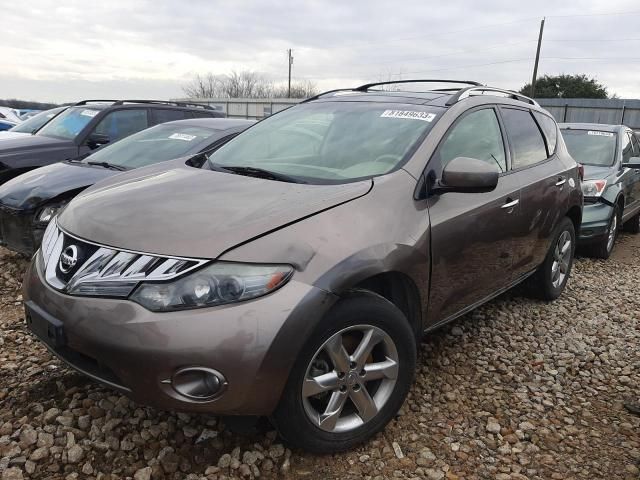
350	378
604	246
551	277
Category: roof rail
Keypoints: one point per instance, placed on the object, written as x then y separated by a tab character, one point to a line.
468	92
315	97
155	102
366	87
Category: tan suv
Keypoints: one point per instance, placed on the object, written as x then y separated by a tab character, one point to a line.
295	272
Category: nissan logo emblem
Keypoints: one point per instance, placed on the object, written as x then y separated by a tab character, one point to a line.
68	259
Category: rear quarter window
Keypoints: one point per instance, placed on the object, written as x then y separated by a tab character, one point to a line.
527	145
550	130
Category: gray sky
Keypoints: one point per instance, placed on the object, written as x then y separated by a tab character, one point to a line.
64	50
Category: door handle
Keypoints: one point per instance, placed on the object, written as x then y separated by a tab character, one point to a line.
561	181
511	204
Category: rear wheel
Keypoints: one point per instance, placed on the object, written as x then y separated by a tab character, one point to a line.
604	246
552	276
351	378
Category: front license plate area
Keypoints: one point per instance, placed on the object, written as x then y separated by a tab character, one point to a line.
47	328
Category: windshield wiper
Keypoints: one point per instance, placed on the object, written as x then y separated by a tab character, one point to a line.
111	166
258	173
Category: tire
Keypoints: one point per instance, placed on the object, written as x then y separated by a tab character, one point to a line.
633	224
544	284
603	247
298	415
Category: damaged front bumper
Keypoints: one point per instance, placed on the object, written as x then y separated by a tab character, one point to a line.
19	231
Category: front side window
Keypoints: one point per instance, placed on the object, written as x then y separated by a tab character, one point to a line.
627	148
527	144
156	144
122	123
331	142
590	147
635	146
69	123
477	135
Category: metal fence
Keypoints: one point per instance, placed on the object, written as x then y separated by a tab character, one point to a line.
587	110
254	108
612	111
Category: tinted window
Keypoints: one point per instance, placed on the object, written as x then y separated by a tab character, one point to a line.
477	135
165	115
550	130
157	144
122	123
69	123
527	144
331	142
591	147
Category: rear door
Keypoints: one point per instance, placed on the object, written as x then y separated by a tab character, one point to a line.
542	176
471	233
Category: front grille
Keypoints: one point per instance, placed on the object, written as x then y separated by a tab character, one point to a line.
78	267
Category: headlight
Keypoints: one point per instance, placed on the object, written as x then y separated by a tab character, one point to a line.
593	188
47	213
216	284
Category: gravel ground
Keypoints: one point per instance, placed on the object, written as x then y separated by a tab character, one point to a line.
518	389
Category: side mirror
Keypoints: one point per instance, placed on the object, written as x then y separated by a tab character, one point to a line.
463	174
634	162
96	140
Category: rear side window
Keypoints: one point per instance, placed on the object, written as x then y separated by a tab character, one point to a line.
162	115
477	135
122	123
550	130
527	144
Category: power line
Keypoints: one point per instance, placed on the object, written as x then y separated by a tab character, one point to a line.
580	40
610	14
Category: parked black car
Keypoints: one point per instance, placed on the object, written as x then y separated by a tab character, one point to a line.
610	155
88	125
29	201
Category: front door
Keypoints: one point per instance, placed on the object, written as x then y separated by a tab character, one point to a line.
471	233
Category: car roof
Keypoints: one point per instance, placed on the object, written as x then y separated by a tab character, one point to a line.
603	127
441	97
214	123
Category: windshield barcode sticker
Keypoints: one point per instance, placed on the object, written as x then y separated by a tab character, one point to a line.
89	113
409	114
182	136
602	134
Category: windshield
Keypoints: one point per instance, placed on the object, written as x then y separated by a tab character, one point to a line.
330	142
34	123
156	144
591	147
69	123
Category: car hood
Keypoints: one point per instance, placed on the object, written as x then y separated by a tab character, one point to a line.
8	135
34	150
592	172
174	209
36	187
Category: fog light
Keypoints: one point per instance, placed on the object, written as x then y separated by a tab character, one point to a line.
198	383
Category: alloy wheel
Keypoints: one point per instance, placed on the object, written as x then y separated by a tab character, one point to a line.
350	378
561	259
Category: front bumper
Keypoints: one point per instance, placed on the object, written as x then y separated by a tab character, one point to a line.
18	232
117	342
595	221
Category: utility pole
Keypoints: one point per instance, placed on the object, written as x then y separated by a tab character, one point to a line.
290	63
535	65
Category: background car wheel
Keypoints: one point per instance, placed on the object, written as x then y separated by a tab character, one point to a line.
633	224
604	247
551	278
350	378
